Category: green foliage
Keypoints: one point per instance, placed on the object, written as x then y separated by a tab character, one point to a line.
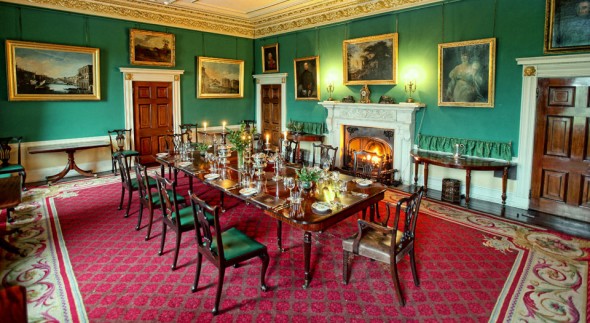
240	139
309	174
201	146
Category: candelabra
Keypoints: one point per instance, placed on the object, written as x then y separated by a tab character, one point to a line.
330	90
410	88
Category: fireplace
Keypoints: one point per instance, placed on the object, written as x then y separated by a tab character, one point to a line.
377	141
393	123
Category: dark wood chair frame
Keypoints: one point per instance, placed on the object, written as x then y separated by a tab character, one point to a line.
126	182
5	150
205	238
290	151
186	129
118	139
410	206
170	210
145	197
325	150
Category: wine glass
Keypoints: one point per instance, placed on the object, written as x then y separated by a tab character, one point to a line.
289	183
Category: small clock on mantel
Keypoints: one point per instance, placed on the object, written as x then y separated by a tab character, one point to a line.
365	94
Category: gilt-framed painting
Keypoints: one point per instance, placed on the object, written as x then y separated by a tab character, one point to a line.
307	78
466	73
50	72
152	48
270	58
567	26
370	60
220	78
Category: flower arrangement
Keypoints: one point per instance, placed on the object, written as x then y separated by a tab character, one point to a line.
240	139
309	174
201	146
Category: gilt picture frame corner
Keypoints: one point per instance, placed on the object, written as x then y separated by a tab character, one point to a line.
152	48
567	26
270	58
52	72
466	73
220	78
370	60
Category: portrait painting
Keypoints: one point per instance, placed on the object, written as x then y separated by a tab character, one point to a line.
370	60
270	58
466	72
220	78
44	72
152	48
307	81
567	26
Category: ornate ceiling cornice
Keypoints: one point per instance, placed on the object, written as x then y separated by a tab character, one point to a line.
296	18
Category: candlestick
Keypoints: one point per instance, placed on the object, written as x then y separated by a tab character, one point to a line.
205	125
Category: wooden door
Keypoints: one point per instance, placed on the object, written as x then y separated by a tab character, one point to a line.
271	112
152	117
561	162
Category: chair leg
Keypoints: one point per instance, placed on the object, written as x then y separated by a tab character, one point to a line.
413	265
8	217
149	230
265	259
364	213
163	238
24	175
398	290
197	273
113	166
138	226
128	203
219	288
178	238
346	266
122	197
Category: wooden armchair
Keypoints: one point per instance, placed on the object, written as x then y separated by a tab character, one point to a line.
127	183
187	131
5	166
326	153
387	244
119	139
223	248
290	151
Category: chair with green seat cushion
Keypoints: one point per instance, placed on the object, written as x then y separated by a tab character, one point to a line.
119	139
147	198
224	248
5	166
127	183
179	220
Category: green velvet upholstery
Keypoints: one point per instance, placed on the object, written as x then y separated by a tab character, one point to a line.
186	217
179	198
476	148
236	244
151	183
11	169
127	153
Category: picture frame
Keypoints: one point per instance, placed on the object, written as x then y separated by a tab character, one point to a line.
152	48
270	58
466	73
307	78
220	78
370	60
51	72
567	26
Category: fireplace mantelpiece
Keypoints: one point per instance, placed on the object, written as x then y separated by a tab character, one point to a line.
399	117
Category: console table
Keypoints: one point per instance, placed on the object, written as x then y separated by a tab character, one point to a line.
467	163
70	149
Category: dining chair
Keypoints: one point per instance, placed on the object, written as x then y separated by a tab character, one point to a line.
147	198
186	129
387	244
178	219
127	183
326	152
222	248
365	166
290	151
6	167
119	140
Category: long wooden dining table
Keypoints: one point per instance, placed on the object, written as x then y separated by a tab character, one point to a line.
273	198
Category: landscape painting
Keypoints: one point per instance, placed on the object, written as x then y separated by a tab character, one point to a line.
39	71
152	48
370	60
220	78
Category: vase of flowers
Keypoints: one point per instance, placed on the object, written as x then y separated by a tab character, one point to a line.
307	176
201	147
240	140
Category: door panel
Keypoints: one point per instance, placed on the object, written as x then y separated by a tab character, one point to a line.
152	117
271	111
561	165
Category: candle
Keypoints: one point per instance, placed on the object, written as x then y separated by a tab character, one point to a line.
285	135
205	125
223	126
267	138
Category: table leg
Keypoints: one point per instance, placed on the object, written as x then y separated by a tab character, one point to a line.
416	167
307	257
467	185
162	170
190	183
279	235
70	165
504	181
221	196
425	177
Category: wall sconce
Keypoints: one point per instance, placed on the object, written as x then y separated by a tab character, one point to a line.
410	88
330	90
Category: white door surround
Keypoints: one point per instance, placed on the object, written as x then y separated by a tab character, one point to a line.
150	75
276	78
534	68
399	117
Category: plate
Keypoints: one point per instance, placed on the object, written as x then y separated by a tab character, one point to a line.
211	176
184	164
162	155
248	191
364	182
321	206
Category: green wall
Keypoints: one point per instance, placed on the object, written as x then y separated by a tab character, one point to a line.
45	120
516	25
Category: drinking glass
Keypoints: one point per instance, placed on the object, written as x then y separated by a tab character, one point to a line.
289	183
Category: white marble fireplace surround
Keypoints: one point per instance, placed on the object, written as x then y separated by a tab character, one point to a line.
399	117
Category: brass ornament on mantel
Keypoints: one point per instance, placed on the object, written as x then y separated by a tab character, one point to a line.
129	76
530	71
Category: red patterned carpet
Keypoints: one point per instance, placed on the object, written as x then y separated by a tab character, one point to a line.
463	259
